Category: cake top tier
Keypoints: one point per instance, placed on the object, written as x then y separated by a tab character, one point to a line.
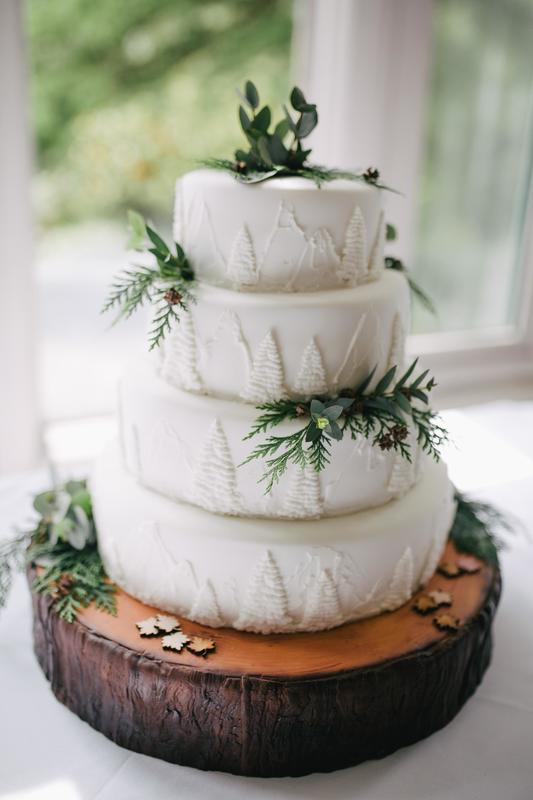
283	235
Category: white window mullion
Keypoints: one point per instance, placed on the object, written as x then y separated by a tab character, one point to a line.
19	429
366	65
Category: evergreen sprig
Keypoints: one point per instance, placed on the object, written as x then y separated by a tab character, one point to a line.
477	528
279	152
424	299
167	285
382	415
63	545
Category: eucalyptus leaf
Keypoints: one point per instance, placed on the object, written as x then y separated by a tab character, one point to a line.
313	434
251	94
277	150
317	407
262	121
282	128
264	151
391	233
244	119
306	124
297	98
386	380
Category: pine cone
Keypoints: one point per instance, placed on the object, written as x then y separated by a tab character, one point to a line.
173	297
371	174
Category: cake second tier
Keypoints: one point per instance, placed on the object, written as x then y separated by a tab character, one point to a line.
262	347
191	447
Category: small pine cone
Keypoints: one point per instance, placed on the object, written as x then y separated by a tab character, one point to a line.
371	174
385	442
240	166
173	297
399	432
301	410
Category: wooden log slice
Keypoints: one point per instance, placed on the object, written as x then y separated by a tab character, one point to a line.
286	704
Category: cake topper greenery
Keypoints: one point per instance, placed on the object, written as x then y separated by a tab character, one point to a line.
383	415
167	285
62	546
279	151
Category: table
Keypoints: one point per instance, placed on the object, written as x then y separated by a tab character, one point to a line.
486	753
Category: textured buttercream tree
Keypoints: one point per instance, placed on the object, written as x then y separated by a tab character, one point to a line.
303	498
242	267
376	261
322	608
311	377
265	381
205	608
180	366
264	607
397	344
402	583
214	482
353	267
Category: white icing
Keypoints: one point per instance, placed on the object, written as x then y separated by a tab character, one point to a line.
352	329
214	479
353	267
266	574
402	586
242	267
303	499
397	344
205	608
293	237
376	263
266	377
264	607
186	468
311	378
179	365
322	609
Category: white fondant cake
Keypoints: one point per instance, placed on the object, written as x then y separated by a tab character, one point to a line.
260	347
291	301
189	447
283	235
268	575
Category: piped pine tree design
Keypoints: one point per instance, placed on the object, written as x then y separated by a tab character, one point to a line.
376	261
403	473
303	499
353	267
265	381
311	378
265	607
180	366
322	609
397	345
402	584
214	481
205	608
242	266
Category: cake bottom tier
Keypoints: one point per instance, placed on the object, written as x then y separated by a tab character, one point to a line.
272	705
266	575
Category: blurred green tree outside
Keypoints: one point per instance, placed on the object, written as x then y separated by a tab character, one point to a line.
129	94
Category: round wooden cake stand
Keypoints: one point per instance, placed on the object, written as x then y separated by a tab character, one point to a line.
286	704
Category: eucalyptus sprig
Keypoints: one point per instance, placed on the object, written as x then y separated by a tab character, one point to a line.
280	152
399	266
167	285
382	415
63	545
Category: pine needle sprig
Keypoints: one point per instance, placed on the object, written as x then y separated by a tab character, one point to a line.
478	527
167	286
423	298
12	560
383	415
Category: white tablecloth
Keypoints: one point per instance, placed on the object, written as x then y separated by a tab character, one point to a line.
486	753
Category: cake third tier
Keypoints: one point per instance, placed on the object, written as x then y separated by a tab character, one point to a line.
191	447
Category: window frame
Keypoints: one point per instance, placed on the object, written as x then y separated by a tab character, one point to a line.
335	56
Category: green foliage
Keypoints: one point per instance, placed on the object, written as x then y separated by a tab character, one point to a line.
476	529
416	289
167	286
128	95
63	545
270	155
381	415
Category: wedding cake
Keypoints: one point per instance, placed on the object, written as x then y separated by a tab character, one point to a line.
270	572
292	301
